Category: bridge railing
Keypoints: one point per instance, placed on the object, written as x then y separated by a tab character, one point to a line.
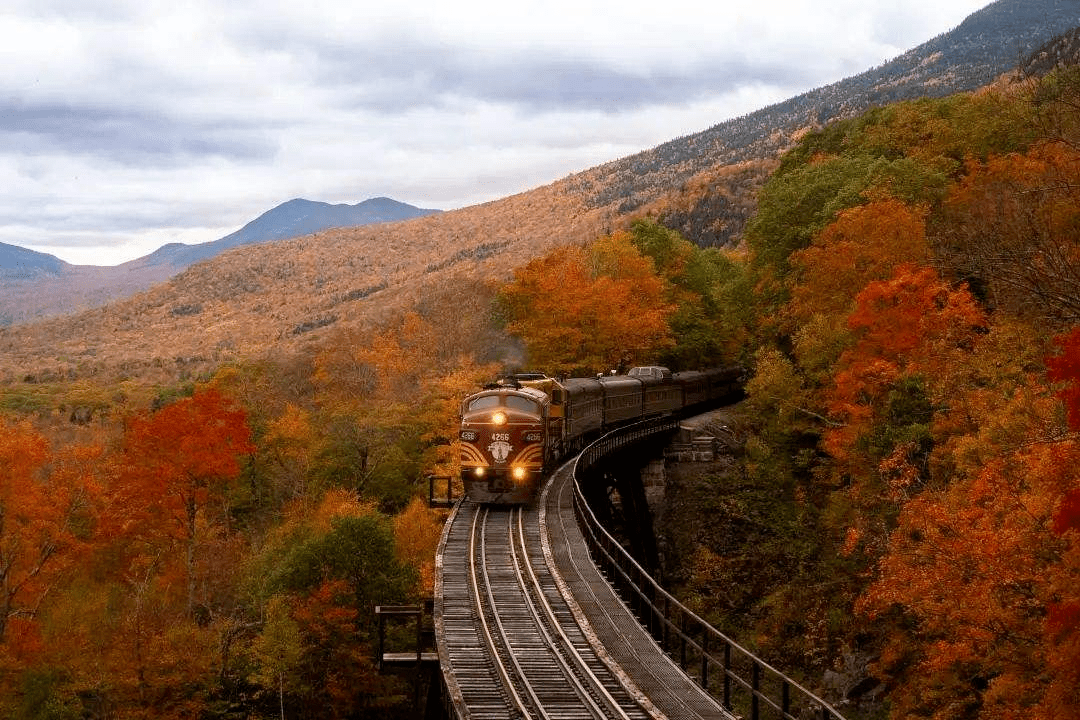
741	681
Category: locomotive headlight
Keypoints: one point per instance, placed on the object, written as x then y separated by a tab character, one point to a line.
518	473
479	472
499	418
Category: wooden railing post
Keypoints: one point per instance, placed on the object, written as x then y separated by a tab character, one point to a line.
705	658
382	635
727	675
755	687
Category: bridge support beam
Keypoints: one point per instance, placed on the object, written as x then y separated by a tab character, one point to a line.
616	493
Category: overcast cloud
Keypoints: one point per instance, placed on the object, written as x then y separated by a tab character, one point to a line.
125	125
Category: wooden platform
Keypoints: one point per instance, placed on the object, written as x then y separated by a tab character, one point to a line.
409	658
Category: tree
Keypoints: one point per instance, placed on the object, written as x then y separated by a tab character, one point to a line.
1011	226
278	650
177	465
596	308
708	321
800	201
987	580
912	324
417	530
863	244
45	518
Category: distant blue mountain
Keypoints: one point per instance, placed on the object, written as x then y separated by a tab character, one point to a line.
17	262
290	219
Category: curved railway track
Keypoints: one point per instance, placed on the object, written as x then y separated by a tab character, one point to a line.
518	650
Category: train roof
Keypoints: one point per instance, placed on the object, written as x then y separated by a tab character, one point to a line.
533	393
650	371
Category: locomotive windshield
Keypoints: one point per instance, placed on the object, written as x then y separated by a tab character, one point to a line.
487	401
514	402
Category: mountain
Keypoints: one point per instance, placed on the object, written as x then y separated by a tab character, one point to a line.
288	295
35	285
290	219
17	262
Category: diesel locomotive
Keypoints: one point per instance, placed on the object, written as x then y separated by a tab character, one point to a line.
513	432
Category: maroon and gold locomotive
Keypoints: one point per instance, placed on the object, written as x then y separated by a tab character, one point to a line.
503	440
513	432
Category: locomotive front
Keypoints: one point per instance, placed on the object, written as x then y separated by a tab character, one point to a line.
502	444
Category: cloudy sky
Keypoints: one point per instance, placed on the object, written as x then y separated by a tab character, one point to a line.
129	124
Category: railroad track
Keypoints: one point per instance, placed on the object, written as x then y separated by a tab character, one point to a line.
517	650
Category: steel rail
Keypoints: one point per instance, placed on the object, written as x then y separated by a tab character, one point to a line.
489	639
583	668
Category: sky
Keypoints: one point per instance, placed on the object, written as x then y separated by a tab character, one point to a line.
130	124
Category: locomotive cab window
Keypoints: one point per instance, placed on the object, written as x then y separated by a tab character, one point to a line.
515	402
487	401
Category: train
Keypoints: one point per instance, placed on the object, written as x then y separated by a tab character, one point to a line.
515	431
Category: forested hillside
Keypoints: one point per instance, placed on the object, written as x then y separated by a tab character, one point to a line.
904	521
988	43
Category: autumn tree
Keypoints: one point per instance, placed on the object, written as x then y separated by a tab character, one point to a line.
863	244
594	308
46	518
985	574
708	291
913	331
801	200
278	650
318	576
417	530
178	463
387	399
1012	226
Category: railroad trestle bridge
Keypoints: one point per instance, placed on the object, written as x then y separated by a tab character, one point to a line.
540	613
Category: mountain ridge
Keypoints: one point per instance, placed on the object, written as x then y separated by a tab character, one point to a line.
988	43
36	285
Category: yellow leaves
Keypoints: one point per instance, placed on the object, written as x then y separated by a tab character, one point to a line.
776	388
278	649
416	535
362	366
335	503
817	345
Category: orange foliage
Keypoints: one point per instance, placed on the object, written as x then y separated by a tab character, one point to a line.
912	323
1012	223
589	308
45	520
863	244
417	530
978	567
177	464
337	666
